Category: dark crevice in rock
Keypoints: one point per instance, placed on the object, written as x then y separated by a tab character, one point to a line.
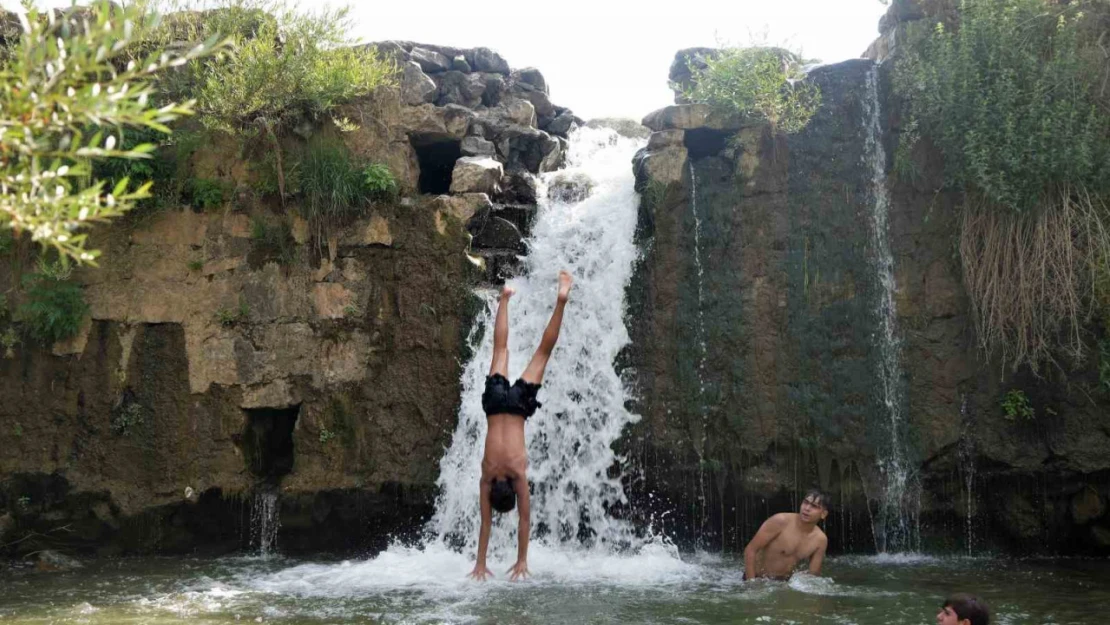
703	142
267	441
437	157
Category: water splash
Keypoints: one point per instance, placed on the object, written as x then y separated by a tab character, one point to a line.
898	513
265	522
570	439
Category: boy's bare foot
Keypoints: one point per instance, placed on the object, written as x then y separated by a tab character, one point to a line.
507	292
564	285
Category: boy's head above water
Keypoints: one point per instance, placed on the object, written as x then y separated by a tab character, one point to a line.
815	506
502	497
964	609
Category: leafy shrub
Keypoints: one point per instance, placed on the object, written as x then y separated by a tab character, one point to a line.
286	63
1011	96
206	194
52	308
1016	405
757	84
379	181
68	74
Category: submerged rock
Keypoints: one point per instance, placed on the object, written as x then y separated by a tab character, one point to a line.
570	188
54	561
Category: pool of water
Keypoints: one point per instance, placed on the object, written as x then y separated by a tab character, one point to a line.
654	586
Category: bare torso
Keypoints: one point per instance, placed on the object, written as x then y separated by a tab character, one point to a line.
791	545
505	455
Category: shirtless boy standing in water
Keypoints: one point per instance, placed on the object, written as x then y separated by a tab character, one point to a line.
507	407
787	538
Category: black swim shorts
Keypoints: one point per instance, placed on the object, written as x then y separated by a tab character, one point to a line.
518	399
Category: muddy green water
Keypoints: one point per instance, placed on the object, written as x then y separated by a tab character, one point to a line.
412	587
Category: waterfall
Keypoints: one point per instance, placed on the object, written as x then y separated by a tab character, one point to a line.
569	440
898	513
264	522
702	350
967	468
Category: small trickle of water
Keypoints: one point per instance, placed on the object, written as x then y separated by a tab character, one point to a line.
701	515
967	467
898	513
264	522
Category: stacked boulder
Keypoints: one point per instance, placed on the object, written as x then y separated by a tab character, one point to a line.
506	130
682	131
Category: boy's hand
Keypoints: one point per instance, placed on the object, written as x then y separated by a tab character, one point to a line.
480	573
518	571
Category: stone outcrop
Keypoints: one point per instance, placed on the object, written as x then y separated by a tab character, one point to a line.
786	392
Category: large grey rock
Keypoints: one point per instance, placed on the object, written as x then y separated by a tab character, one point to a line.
570	188
532	77
1086	505
416	87
463	206
430	61
459	88
499	233
476	174
477	146
665	138
438	122
529	149
518	187
664	166
680	74
563	124
545	110
459	64
516	111
495	89
486	60
622	126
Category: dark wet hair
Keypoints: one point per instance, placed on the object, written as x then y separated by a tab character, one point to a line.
819	496
969	607
502	496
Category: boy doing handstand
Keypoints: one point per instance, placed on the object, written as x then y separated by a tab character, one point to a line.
504	483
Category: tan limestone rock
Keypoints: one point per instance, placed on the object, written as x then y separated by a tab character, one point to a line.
237	225
74	345
666	138
665	166
275	394
330	298
173	228
462	206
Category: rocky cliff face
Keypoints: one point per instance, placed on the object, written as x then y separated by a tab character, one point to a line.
212	367
757	357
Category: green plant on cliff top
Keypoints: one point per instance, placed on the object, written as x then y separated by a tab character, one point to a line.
68	89
1016	405
756	84
287	63
1013	96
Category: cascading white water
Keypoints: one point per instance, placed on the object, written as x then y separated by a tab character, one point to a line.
897	522
699	331
264	522
570	438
